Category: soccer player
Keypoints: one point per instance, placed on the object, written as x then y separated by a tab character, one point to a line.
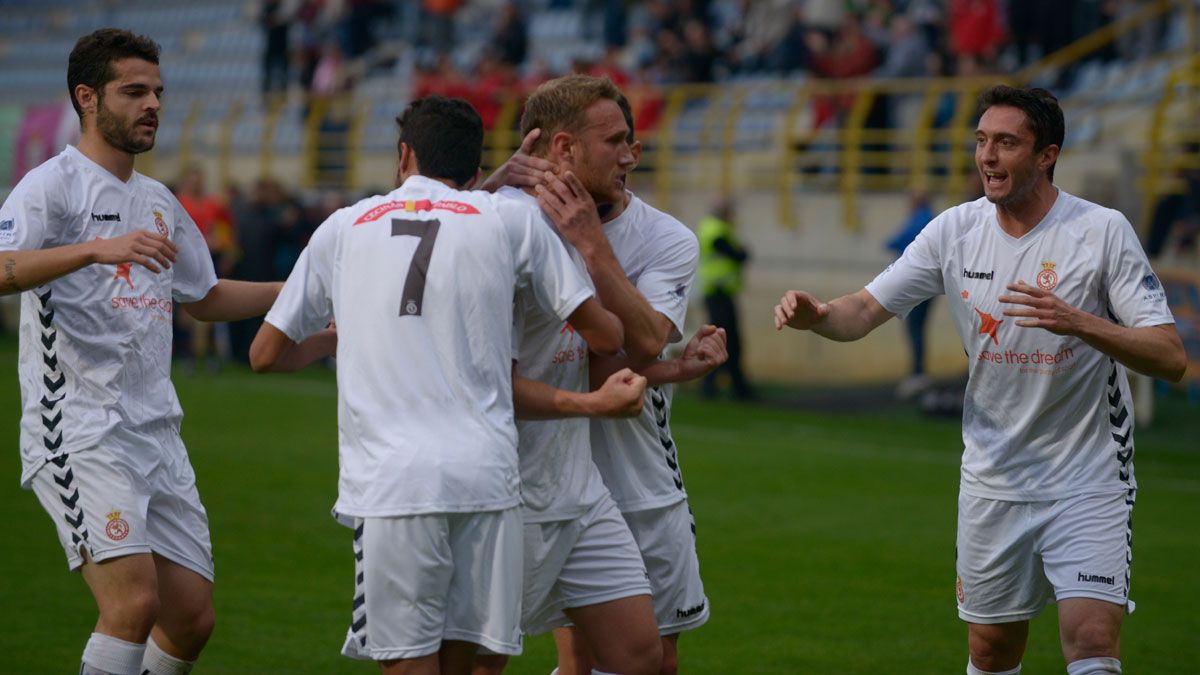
1053	299
422	284
643	262
100	253
582	563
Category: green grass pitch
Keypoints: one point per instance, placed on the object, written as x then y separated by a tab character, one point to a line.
826	540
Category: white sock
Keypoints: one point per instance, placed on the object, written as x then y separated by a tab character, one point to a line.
601	672
158	662
1097	665
972	670
554	672
108	655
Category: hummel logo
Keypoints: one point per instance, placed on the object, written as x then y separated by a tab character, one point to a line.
691	611
968	274
1096	578
106	217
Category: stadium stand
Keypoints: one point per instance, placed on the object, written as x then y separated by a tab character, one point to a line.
821	163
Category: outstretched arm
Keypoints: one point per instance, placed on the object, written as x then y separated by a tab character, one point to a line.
23	270
620	396
845	319
233	300
1156	351
274	352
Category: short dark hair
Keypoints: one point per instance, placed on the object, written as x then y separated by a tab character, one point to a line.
627	113
447	136
1043	116
91	60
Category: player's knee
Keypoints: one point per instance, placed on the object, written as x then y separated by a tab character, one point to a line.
188	625
132	613
646	656
1091	638
202	624
489	664
994	651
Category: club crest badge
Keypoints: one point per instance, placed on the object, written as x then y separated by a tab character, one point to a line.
117	527
160	224
1047	279
958	589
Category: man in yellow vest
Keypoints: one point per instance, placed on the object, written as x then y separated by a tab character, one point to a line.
721	261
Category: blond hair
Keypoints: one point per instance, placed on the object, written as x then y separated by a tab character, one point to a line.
562	104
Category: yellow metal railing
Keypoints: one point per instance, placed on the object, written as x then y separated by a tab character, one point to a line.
1174	137
784	136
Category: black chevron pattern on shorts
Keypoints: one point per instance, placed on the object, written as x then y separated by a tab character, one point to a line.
658	402
358	609
54	382
1121	424
1130	498
53	378
68	494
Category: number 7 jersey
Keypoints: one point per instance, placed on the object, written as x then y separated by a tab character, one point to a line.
421	282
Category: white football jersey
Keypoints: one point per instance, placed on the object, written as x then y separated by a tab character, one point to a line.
637	456
1045	416
559	481
422	282
95	345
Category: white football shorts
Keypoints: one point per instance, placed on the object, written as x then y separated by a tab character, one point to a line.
579	563
1015	557
666	537
423	579
133	493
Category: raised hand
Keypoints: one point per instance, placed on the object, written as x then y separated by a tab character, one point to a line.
1043	309
572	209
799	310
522	170
141	247
621	395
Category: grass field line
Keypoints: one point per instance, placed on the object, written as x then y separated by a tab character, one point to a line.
811	439
806	438
277	384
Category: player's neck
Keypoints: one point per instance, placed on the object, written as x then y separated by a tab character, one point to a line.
1019	219
117	162
617	209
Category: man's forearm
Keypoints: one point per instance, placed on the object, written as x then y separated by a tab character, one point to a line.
657	372
1156	351
232	300
851	317
23	270
534	400
644	336
296	356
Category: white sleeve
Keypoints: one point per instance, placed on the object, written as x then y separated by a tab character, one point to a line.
671	273
916	276
25	216
1135	296
542	263
193	274
305	305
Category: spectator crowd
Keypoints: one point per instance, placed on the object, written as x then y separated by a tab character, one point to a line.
659	42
